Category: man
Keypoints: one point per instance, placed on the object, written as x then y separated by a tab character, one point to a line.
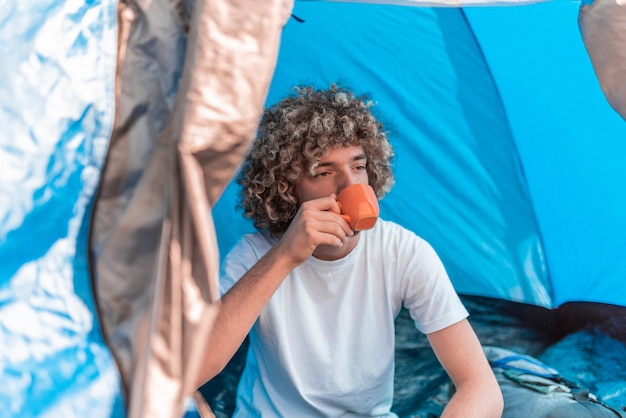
326	297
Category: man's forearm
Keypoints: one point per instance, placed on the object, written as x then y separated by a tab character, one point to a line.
239	309
477	403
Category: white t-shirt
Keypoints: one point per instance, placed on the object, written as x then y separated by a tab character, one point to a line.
324	344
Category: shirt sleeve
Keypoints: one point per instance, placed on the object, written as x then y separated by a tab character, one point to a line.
426	288
237	262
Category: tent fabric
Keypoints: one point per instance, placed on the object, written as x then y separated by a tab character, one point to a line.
180	132
571	160
603	27
171	96
56	116
123	121
428	86
508	155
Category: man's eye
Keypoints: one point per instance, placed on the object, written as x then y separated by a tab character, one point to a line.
322	174
361	167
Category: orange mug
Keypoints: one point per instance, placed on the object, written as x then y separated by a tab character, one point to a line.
359	206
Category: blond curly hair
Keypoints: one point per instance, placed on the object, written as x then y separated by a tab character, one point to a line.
292	137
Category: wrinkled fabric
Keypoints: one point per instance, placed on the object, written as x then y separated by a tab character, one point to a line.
191	86
57	70
603	27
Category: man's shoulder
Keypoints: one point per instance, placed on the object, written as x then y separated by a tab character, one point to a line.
256	242
391	227
258	238
390	232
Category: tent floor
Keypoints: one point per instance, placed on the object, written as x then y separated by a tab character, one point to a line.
585	342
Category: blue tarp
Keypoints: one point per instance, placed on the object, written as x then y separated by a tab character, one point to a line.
56	115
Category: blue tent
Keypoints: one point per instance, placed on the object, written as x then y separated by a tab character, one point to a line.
508	160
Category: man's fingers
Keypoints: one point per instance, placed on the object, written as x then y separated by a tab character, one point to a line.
327	222
328	203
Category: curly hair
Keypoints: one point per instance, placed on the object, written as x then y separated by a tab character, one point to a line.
293	135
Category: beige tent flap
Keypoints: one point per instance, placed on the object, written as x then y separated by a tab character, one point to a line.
603	27
191	85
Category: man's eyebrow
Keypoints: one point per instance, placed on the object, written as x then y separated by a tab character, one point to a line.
330	163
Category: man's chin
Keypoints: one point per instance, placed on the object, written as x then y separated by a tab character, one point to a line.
330	253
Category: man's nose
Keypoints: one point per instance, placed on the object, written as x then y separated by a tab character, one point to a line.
347	180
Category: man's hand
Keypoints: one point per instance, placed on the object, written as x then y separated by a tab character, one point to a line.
317	222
